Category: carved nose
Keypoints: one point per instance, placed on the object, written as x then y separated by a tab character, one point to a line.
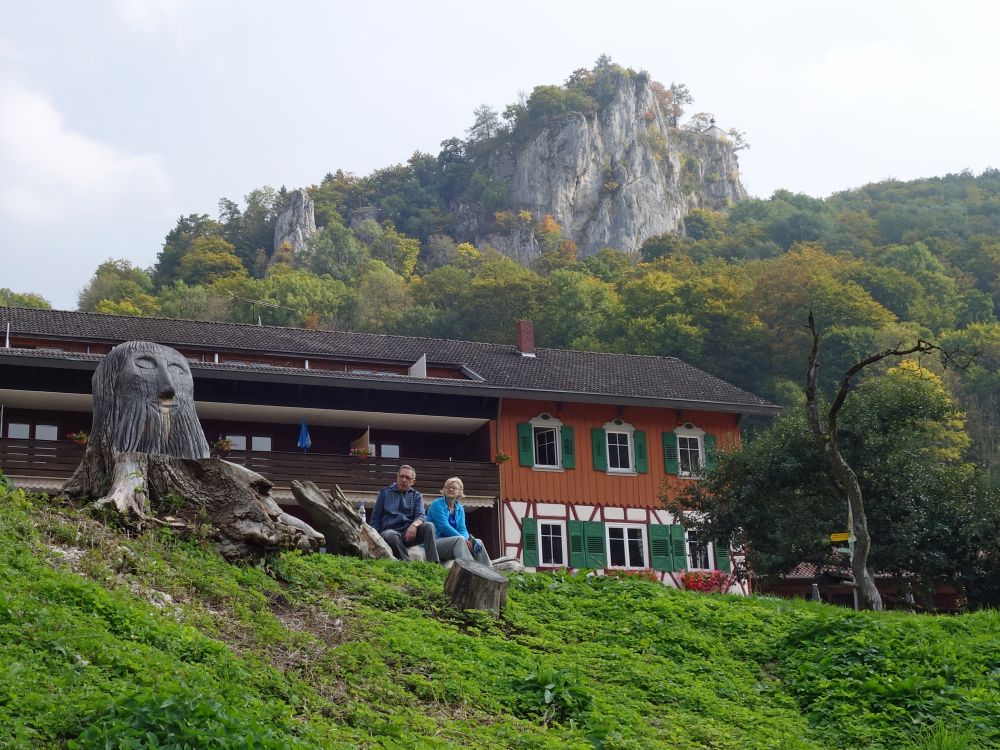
165	386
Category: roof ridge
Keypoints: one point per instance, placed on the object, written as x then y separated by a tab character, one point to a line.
252	326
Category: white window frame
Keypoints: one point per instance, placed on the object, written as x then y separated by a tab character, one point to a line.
239	442
257	443
12	426
561	525
51	429
546	421
628	557
617	426
709	552
688	430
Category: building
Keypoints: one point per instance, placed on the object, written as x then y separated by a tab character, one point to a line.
565	455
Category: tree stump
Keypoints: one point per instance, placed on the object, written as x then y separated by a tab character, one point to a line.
147	456
472	585
341	524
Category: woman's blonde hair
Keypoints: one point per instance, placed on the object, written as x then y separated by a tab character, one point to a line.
459	482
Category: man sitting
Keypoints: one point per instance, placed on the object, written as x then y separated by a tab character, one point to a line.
399	517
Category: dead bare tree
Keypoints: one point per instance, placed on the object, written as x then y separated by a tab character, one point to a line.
843	473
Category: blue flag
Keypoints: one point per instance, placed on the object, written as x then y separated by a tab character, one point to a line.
305	442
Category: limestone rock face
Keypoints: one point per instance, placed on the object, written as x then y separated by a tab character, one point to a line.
297	223
620	176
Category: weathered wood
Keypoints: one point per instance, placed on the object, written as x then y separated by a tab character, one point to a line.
340	522
472	585
148	454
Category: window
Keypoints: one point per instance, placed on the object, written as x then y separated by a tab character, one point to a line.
390	450
546	446
546	443
46	432
619	451
18	430
689	454
697	553
626	546
619	448
239	442
687	450
260	443
553	543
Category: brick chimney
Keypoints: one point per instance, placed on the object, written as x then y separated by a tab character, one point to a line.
525	338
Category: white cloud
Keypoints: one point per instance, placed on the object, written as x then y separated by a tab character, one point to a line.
148	15
10	52
865	71
47	169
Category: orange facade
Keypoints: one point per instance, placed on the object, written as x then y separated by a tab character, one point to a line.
584	485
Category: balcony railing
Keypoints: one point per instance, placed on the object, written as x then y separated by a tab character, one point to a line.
56	460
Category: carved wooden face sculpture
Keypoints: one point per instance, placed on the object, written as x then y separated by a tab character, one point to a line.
144	401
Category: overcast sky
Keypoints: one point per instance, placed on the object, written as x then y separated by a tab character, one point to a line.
119	116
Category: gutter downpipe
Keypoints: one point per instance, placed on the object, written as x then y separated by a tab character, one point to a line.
502	541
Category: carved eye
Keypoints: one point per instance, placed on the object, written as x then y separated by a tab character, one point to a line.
145	363
178	367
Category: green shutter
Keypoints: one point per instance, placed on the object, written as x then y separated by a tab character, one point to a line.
641	454
526	444
599	442
529	542
568	448
670	461
597	548
577	551
659	546
722	558
709	452
678	548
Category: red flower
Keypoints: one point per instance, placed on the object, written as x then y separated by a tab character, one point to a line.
714	582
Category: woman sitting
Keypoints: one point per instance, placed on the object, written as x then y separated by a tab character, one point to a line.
454	542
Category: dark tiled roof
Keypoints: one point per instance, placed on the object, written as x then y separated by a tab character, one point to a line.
553	372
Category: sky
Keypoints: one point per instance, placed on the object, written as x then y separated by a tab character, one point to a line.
119	116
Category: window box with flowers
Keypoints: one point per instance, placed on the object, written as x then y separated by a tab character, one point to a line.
710	582
501	458
222	447
80	438
361	452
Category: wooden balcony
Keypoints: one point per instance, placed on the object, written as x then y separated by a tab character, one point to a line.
46	464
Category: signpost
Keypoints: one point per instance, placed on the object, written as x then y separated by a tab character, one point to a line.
840	536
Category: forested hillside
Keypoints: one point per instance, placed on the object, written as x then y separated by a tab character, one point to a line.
886	263
728	292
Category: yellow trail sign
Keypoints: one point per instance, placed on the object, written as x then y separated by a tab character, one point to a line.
840	536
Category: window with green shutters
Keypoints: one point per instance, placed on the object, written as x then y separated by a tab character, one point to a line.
586	544
546	443
619	448
687	450
529	542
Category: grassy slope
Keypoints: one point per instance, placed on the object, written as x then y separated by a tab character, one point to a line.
104	636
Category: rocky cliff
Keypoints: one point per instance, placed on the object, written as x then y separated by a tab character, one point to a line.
297	223
620	176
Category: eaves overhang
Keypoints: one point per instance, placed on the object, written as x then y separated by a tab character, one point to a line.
451	386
